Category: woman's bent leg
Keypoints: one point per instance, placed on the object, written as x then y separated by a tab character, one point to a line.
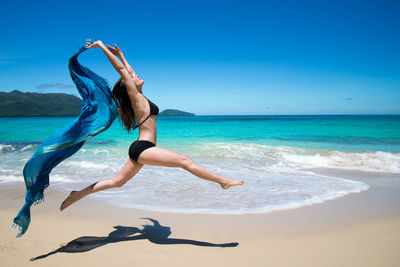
162	157
130	169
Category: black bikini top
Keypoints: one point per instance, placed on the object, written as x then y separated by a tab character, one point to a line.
153	111
153	108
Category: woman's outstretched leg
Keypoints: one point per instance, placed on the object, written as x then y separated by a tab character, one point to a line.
130	169
162	157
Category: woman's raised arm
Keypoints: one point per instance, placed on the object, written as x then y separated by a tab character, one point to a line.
118	52
118	65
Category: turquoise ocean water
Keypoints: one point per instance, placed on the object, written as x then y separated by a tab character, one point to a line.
274	154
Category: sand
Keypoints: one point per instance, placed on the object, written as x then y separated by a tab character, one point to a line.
361	229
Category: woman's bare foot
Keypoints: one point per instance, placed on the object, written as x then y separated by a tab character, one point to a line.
72	198
231	182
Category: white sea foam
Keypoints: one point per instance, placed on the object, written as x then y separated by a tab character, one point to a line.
288	159
97	151
274	177
90	165
6	148
20	178
11	178
28	147
365	161
61	178
261	192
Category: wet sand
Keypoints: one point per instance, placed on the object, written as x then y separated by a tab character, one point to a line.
361	229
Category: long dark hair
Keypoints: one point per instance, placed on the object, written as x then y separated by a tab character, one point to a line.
123	103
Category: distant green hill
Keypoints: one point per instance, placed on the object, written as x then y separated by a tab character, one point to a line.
175	112
19	104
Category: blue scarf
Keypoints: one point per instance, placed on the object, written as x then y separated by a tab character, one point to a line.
98	112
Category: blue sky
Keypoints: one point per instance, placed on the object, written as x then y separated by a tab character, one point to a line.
217	57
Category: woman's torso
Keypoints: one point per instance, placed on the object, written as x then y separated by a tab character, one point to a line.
146	116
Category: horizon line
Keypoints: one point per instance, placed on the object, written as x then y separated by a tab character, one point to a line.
67	116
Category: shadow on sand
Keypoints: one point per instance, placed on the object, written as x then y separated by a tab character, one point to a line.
155	233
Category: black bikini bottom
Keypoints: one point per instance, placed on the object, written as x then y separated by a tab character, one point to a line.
138	147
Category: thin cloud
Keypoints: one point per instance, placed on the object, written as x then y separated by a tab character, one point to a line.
10	59
54	86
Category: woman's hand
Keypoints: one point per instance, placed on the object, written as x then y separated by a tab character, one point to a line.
115	50
90	44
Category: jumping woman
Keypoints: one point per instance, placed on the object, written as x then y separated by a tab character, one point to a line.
134	106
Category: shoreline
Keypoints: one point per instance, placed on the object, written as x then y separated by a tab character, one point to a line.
359	229
379	184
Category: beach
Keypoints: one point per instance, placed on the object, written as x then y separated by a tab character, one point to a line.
359	229
319	191
300	100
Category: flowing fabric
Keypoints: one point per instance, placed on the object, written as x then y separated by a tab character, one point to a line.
98	112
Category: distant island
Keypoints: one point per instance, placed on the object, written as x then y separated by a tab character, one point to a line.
20	104
175	112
